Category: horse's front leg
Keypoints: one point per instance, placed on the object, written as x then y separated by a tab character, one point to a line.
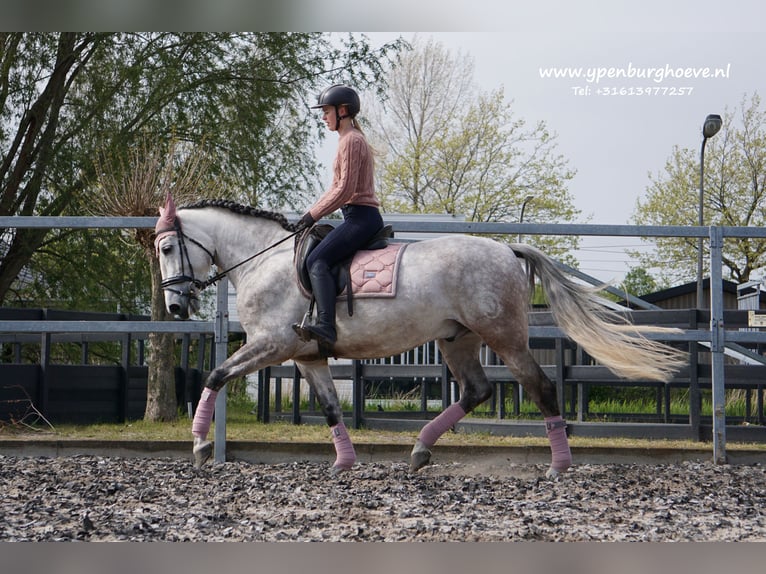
318	375
249	358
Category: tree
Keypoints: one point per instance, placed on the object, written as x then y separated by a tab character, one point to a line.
449	147
639	282
734	195
136	188
65	97
426	88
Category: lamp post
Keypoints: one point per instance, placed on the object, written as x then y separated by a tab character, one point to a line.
711	126
527	199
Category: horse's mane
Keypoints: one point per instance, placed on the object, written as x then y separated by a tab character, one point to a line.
243	210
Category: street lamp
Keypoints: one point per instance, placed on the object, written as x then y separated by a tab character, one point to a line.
527	199
711	126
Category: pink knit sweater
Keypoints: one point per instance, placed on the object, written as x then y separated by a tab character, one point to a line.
352	180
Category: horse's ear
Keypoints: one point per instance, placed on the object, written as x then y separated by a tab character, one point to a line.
167	215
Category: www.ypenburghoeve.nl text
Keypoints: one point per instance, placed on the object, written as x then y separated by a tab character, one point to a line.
656	74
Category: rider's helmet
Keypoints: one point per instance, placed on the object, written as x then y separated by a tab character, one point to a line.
339	95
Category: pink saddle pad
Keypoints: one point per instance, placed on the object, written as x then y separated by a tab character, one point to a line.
374	273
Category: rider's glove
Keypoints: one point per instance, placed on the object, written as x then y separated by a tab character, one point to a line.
306	221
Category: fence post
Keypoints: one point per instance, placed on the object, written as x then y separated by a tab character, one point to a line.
125	383
264	395
357	395
560	389
221	334
45	361
717	344
694	386
446	394
296	395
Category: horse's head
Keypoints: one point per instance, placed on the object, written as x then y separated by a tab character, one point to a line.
183	260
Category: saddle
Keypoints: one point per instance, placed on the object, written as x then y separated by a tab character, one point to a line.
307	241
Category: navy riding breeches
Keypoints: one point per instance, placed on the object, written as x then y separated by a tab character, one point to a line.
360	224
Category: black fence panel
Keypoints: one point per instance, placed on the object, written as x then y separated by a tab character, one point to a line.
135	399
84	394
19	388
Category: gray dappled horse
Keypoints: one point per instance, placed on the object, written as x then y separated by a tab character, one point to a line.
459	290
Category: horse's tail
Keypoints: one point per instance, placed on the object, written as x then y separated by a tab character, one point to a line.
606	335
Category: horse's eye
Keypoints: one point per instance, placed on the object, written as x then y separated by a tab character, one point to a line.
167	248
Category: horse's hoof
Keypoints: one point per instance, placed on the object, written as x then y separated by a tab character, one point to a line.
337	470
552	474
419	459
202	452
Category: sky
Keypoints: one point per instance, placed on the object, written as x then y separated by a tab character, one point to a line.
613	139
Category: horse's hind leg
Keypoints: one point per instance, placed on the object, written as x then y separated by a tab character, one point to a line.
318	375
462	357
542	391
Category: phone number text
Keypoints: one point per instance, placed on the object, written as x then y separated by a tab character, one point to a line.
631	91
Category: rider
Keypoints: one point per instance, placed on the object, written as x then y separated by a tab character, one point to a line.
353	192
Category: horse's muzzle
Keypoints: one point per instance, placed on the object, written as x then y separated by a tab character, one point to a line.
179	311
183	307
181	302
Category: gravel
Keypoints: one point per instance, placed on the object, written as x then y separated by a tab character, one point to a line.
96	498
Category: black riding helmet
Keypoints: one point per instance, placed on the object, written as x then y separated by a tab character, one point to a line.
338	95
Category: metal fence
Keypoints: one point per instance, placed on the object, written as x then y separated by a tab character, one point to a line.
713	334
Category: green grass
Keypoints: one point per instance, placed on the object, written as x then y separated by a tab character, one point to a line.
736	406
241	424
603	401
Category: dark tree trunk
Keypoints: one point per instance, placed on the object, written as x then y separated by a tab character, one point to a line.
161	392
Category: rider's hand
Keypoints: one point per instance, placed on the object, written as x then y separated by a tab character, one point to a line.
306	221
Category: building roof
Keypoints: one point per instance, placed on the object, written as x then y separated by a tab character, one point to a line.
687	291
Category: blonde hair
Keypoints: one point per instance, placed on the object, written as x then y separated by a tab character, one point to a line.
375	153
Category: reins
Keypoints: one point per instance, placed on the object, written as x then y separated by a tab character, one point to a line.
222	274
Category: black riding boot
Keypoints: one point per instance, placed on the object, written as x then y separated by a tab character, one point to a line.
325	293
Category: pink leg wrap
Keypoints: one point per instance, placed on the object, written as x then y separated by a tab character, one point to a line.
441	424
561	458
204	414
346	457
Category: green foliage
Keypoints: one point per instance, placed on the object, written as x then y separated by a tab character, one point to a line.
638	282
97	270
610	403
237	399
734	195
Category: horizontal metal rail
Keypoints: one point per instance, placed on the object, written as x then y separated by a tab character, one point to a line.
414	226
132	327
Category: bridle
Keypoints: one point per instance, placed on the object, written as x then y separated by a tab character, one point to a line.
167	284
185	276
